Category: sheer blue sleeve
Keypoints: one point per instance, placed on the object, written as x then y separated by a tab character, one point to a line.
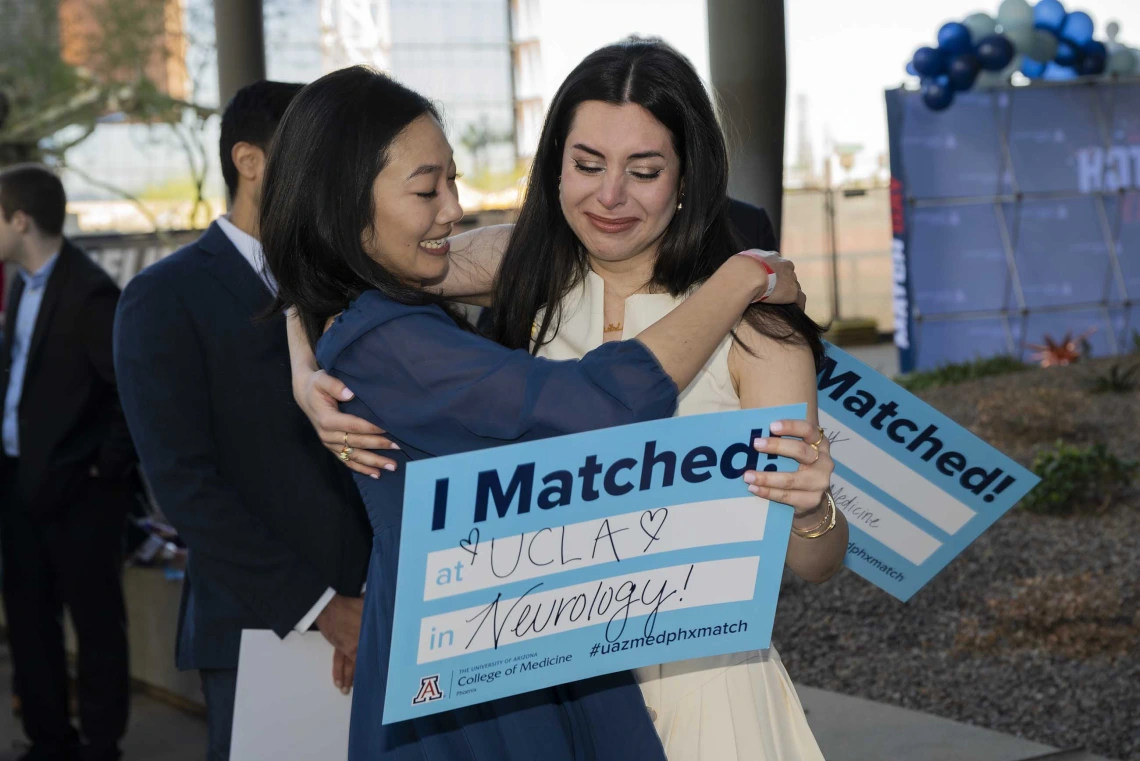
443	390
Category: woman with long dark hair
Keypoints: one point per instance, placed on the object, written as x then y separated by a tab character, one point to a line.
626	212
358	202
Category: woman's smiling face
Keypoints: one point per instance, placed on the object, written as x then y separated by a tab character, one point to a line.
415	205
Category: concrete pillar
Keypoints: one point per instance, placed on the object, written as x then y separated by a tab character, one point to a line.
748	67
241	45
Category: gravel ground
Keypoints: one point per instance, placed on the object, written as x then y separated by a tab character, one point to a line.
1034	630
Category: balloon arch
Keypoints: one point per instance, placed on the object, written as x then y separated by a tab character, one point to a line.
1042	42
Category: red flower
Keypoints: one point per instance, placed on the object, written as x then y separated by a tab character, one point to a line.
1059	353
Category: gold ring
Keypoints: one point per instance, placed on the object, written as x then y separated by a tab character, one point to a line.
344	453
346	439
818	441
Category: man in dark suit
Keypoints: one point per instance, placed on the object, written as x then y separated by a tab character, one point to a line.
277	534
65	475
753	224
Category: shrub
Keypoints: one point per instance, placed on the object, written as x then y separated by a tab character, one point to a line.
1017	416
1068	350
1073	616
957	372
1075	479
1118	380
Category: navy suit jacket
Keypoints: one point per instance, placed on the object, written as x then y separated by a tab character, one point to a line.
753	224
270	517
69	416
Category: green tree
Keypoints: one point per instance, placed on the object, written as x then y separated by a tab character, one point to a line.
50	106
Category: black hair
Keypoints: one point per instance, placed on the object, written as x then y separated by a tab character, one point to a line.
252	116
544	259
37	191
316	200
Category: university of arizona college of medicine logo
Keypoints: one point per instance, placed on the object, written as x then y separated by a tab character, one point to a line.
429	690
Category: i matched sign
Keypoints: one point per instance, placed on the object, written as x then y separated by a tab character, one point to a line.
552	561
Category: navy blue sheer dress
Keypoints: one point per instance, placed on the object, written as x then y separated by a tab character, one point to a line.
439	390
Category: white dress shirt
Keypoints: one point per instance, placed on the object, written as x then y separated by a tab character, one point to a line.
250	249
35	285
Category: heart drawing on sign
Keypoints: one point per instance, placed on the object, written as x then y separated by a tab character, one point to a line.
471	544
653	529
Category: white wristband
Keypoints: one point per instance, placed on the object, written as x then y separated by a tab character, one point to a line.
771	286
762	258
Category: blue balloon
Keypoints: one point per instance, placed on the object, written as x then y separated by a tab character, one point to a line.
1032	69
994	52
1077	29
963	70
1094	61
1068	54
1044	47
1054	72
1049	14
937	94
910	69
929	62
954	39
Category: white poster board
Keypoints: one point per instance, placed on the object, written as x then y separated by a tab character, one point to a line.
287	706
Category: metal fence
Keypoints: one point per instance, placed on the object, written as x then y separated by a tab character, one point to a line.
123	256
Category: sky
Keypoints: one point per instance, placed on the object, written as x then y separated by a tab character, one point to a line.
841	53
844	54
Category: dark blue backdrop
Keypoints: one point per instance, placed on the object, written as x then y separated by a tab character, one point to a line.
1016	215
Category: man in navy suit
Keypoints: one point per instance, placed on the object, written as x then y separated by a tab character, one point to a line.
277	534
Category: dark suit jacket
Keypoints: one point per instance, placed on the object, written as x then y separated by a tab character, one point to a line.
270	517
753	224
69	417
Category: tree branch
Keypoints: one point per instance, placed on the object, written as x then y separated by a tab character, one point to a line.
125	195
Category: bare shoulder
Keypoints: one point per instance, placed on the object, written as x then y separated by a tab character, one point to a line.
754	349
767	372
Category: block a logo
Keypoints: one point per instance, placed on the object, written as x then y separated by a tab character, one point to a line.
429	690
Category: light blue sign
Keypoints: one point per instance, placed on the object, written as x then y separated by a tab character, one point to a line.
916	487
543	563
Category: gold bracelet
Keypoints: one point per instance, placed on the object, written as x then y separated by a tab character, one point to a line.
812	511
822	521
817	531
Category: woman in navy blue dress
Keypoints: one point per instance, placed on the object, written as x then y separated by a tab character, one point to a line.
359	198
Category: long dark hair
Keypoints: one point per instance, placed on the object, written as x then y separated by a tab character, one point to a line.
544	259
316	199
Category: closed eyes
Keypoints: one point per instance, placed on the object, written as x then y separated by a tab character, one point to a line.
430	195
589	169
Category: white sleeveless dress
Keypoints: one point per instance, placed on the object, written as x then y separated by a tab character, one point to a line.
739	707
